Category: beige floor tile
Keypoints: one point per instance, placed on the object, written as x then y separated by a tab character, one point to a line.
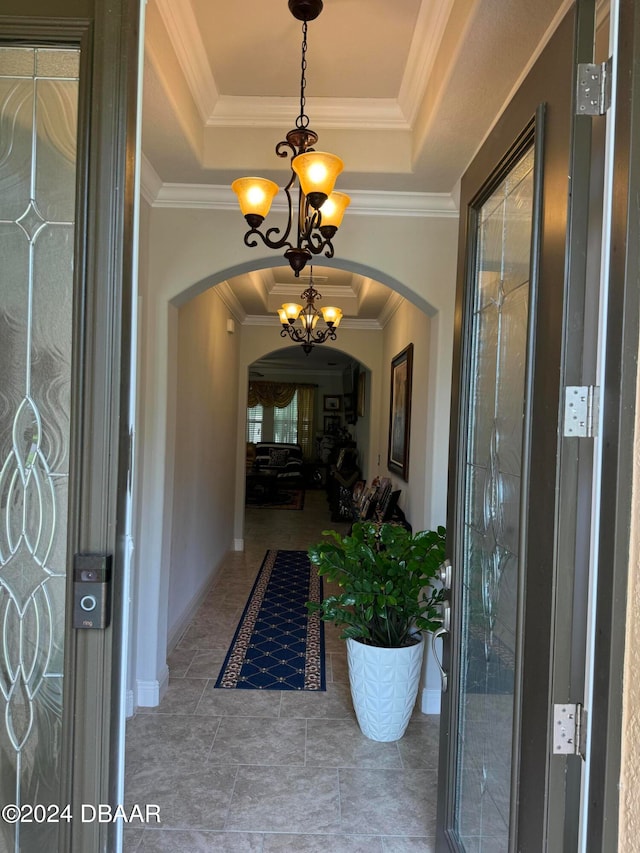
340	743
332	703
223	702
290	843
247	740
285	799
178	662
408	845
206	664
226	766
388	802
182	697
170	841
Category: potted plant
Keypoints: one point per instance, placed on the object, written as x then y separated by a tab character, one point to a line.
388	597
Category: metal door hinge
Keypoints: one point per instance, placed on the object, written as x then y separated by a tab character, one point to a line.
581	411
569	729
593	88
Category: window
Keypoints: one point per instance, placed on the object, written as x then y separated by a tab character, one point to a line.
254	423
285	422
272	423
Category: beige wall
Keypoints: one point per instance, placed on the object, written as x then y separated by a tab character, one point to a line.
409	325
189	251
629	837
204	462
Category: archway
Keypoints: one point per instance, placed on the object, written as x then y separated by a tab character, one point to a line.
154	507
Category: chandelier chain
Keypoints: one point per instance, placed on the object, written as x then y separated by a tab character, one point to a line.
303	119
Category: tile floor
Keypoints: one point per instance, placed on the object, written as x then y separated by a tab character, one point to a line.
268	771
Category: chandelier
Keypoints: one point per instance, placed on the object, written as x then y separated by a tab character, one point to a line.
312	225
307	334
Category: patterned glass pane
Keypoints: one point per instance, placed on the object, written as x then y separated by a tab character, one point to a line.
38	128
492	511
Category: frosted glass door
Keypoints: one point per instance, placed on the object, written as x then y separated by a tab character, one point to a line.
491	512
38	129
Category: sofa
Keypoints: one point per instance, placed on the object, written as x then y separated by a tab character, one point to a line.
284	459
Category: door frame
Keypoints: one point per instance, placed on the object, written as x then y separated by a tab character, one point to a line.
620	400
108	37
548	670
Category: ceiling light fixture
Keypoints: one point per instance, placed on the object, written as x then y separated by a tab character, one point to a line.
320	209
307	334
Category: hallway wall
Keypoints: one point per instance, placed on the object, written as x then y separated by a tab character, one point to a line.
204	469
193	248
409	325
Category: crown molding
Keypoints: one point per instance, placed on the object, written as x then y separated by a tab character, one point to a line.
150	181
363	202
184	34
217	110
231	301
392	304
329	291
430	27
272	320
334	113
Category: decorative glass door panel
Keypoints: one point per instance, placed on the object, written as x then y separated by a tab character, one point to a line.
491	512
38	131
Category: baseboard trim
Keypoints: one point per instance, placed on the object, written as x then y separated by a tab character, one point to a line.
150	693
431	699
129	704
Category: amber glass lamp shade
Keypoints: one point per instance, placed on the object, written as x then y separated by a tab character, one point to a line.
309	317
331	316
317	172
254	195
290	312
333	210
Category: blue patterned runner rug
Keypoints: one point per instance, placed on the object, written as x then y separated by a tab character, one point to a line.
277	644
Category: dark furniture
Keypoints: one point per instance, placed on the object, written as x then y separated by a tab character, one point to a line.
342	476
263	487
283	460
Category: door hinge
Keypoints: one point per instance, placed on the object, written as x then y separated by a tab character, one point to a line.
569	729
581	411
593	88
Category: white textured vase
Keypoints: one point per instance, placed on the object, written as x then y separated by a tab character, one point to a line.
384	685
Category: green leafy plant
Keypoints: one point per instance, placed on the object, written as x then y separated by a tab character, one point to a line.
387	576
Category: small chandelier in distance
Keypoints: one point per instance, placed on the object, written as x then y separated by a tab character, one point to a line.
307	334
320	210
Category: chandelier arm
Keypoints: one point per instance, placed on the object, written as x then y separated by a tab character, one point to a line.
251	242
321	335
317	244
295	334
281	152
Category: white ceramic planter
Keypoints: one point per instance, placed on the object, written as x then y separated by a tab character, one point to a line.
384	686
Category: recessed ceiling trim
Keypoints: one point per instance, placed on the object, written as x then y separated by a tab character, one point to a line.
231	301
150	181
334	113
366	202
182	29
392	304
329	291
271	320
430	27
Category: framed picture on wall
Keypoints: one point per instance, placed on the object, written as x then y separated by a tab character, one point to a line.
400	412
331	424
331	403
362	384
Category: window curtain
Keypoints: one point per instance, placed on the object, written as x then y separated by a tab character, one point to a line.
271	394
280	394
306	409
